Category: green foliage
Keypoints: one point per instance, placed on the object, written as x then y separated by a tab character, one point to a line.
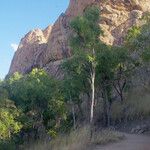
40	100
8	123
9	120
75	80
55	114
146	55
9	114
138	38
131	38
87	32
85	41
32	91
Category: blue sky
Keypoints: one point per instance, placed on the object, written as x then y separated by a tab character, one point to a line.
17	17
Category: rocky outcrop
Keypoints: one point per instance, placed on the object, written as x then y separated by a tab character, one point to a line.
30	50
46	48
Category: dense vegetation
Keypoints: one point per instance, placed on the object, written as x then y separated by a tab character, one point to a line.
96	88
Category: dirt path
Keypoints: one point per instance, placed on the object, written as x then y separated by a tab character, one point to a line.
132	142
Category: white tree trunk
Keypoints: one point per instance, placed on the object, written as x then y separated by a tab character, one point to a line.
74	118
93	94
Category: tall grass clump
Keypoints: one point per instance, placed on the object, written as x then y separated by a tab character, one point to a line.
78	140
136	106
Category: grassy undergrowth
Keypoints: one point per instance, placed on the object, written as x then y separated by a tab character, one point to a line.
79	140
136	106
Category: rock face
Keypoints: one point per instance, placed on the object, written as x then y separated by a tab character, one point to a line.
47	48
30	49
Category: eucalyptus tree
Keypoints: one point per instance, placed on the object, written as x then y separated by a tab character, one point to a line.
84	43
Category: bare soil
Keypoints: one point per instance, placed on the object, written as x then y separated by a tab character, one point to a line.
131	142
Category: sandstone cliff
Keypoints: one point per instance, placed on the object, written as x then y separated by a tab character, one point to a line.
46	48
29	50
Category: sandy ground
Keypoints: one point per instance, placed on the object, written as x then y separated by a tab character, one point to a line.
132	142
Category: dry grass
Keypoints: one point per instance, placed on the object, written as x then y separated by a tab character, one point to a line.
79	140
139	102
76	140
136	106
107	136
